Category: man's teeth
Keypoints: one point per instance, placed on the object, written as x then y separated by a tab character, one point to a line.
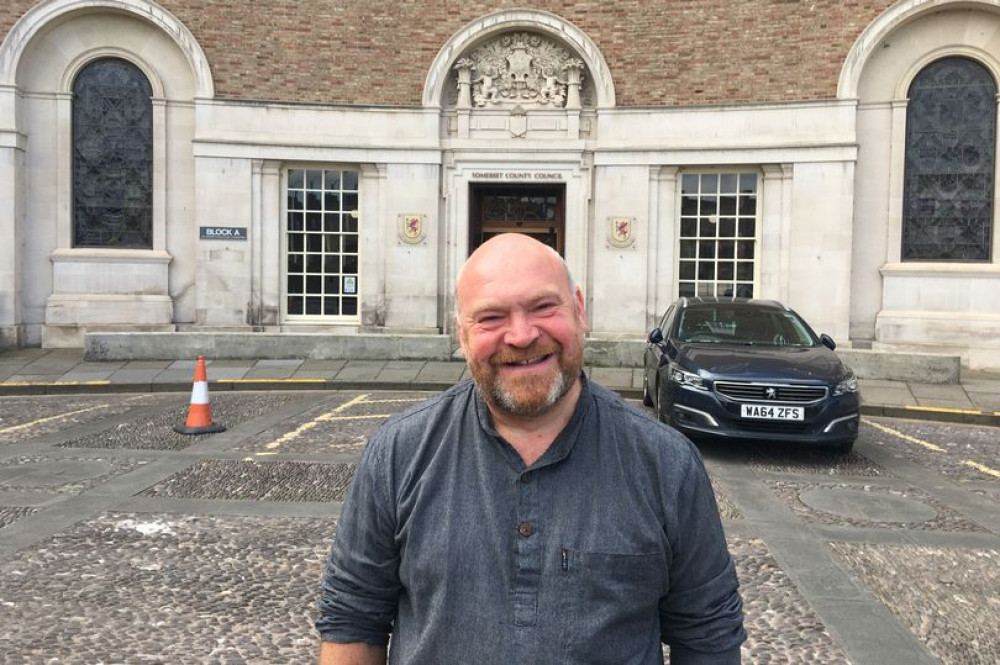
529	361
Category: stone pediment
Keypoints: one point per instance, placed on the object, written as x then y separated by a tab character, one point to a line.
519	70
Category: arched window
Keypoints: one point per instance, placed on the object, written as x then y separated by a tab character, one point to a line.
950	162
112	156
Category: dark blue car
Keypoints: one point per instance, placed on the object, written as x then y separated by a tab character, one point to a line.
749	369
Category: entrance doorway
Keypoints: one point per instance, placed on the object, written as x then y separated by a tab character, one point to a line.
535	210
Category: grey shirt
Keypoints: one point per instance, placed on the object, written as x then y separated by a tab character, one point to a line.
607	544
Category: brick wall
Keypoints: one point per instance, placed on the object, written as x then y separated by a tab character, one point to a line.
661	53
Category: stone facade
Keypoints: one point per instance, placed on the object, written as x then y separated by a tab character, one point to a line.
437	107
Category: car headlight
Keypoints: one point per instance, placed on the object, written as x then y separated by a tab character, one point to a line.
688	379
848	385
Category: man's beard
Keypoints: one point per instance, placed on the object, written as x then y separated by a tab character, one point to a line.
527	395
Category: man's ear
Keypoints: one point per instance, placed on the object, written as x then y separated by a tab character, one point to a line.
581	309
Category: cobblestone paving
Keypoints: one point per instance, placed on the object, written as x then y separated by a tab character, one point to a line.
989	494
115	466
727	508
11	514
954	610
23	418
946	519
126	588
780	625
961	444
156	433
260	481
341	426
796	460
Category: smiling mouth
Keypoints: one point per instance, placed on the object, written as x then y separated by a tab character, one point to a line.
526	362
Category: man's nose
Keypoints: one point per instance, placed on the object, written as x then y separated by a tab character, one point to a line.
521	330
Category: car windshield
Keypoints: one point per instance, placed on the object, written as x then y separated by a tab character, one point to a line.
742	325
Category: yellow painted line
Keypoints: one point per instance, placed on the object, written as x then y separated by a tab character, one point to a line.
942	409
905	437
394	401
102	382
14	428
305	427
983	468
270	381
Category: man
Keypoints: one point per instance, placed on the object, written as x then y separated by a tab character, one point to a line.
528	516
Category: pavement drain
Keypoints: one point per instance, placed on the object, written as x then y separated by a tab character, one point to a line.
148	588
11	514
780	624
257	481
949	598
894	502
62	476
157	433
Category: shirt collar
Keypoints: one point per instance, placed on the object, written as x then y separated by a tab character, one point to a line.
564	442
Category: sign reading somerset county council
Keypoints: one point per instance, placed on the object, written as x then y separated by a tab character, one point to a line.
222	232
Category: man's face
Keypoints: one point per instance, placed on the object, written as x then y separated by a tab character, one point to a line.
521	328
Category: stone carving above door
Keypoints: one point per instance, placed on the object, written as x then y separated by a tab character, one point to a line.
519	70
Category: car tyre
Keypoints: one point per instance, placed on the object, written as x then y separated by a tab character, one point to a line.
844	447
647	398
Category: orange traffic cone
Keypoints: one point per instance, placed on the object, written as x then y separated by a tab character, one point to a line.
199	418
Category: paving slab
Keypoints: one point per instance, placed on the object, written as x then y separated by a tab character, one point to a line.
360	370
436	371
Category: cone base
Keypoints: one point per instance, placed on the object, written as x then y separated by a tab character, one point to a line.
205	429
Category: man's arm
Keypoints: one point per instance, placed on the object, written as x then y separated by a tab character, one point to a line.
356	653
701	618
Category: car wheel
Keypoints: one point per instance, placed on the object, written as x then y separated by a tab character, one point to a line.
647	399
844	447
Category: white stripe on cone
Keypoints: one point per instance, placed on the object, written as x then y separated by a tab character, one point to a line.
199	392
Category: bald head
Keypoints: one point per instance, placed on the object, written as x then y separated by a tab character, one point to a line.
504	255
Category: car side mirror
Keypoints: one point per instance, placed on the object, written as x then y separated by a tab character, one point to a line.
656	336
827	341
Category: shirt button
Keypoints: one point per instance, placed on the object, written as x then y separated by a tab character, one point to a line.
525	529
525	477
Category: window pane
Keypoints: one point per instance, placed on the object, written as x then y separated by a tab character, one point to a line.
686	290
712	240
949	163
689	205
744	270
319	233
112	139
689	183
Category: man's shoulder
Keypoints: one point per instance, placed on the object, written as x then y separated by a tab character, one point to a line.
640	428
445	406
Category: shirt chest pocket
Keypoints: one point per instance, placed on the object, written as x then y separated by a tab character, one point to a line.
614	602
616	579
